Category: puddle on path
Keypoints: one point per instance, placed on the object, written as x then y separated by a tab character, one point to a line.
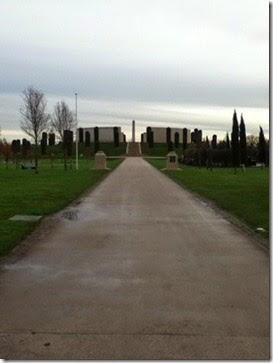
85	213
72	215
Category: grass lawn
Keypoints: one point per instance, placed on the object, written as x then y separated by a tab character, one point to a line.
245	195
24	192
160	149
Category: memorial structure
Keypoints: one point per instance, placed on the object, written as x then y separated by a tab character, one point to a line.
100	160
104	134
172	161
167	134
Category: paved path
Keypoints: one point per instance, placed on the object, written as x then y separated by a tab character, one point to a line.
140	270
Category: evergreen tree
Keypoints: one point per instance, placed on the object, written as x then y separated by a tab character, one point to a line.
116	137
80	135
208	154
243	150
44	143
235	142
148	134
214	142
151	139
87	139
228	141
207	143
185	141
168	135
96	140
170	146
67	145
176	140
24	148
262	147
51	139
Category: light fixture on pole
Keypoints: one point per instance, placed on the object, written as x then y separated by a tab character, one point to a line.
77	148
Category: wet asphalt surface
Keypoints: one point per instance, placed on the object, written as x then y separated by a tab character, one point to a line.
138	269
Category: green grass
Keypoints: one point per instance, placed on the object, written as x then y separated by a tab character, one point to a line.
24	192
245	195
160	149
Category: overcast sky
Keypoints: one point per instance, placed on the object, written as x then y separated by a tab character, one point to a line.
160	62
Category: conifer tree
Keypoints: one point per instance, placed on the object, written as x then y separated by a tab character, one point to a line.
227	141
207	143
151	139
235	142
243	150
208	154
262	147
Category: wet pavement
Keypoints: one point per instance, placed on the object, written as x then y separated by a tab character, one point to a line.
139	269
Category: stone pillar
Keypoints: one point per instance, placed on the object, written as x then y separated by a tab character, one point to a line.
172	161
133	131
51	139
100	160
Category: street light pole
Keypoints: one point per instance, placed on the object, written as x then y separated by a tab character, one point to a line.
77	148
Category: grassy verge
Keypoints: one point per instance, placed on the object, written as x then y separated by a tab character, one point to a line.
23	192
245	195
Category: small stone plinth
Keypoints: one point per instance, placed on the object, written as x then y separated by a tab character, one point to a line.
25	218
172	161
100	161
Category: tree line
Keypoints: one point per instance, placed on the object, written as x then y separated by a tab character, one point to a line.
36	122
239	150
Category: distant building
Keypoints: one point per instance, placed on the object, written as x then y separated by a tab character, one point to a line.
160	134
106	134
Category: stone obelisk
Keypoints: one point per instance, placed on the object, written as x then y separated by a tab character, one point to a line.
133	132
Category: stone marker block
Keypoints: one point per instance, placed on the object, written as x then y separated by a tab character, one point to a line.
172	161
100	160
25	218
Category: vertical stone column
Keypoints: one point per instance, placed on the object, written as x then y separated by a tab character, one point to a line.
100	161
133	131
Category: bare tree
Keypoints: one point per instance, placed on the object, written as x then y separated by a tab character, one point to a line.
62	119
63	122
35	120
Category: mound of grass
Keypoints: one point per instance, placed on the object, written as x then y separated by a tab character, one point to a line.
24	192
245	195
159	149
107	147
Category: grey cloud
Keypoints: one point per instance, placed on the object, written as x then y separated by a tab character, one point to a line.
199	52
158	84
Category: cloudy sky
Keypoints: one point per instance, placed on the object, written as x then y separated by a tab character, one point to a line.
184	63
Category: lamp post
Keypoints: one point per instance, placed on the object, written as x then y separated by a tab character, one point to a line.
77	148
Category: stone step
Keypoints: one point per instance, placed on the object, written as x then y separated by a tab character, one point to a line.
134	149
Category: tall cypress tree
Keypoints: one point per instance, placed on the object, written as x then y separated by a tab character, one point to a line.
168	135
148	134
208	154
116	137
207	143
96	140
214	142
151	139
185	141
243	150
262	147
235	142
227	141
